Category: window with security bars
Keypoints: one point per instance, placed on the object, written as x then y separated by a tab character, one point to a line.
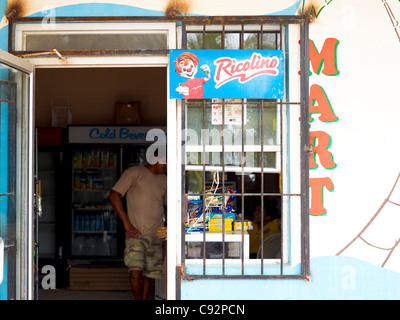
240	211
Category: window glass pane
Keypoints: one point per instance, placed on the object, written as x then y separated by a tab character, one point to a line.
194	182
233	137
14	178
270	41
194	122
213	40
250	41
232	41
252	183
194	40
232	160
133	41
270	224
269	159
232	132
270	136
253	207
253	122
213	250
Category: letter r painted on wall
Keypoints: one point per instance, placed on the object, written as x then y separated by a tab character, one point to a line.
321	141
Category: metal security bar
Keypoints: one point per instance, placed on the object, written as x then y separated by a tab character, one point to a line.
205	35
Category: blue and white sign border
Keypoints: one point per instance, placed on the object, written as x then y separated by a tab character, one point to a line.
253	74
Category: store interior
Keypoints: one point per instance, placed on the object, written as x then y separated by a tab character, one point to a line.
88	97
83	97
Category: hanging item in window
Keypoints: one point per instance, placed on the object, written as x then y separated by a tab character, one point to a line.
207	74
233	112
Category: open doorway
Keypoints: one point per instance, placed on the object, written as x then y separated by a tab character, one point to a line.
86	96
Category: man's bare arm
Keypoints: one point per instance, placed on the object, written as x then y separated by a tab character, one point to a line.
115	200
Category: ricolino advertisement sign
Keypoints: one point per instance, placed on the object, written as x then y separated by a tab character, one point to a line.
206	74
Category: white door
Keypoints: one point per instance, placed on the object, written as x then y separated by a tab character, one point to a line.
16	178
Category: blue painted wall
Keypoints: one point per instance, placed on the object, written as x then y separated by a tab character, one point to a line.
331	278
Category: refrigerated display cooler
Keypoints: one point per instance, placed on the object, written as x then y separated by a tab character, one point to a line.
99	155
94	223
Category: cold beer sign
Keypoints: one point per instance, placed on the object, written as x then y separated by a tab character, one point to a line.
206	74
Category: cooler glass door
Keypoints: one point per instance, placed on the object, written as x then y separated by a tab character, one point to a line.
94	223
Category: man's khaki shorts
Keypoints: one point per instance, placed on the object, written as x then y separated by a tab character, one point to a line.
144	254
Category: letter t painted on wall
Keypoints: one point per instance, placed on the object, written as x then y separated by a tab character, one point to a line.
317	195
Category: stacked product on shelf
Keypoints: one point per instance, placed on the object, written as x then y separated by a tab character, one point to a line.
94	221
216	203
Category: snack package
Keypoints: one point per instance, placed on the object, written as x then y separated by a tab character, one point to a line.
95	158
105	158
77	159
113	159
237	225
162	233
87	159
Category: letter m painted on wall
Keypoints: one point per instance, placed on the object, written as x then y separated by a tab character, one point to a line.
326	59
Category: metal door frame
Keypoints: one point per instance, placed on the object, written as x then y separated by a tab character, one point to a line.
25	286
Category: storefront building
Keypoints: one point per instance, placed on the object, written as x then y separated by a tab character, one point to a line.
264	106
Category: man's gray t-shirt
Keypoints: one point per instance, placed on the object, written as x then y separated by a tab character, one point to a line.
146	195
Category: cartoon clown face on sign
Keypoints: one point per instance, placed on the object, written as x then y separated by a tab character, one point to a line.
187	67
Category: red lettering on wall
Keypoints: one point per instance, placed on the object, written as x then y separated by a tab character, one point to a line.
319	103
321	149
326	58
324	61
317	195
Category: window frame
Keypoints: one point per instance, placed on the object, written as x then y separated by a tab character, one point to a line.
34	26
304	146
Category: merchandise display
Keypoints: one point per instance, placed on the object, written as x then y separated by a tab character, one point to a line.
207	215
237	225
94	223
98	155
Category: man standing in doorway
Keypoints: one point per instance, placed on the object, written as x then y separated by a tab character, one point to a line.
145	188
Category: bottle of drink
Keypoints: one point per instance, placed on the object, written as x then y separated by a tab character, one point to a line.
86	223
92	222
